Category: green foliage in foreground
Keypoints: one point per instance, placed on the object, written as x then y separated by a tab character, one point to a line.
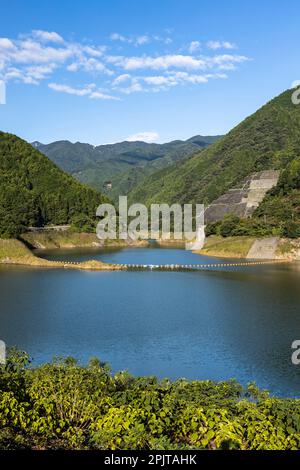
67	406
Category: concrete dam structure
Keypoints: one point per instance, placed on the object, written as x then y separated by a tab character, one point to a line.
244	198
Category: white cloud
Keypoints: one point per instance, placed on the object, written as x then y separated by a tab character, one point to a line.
157	80
98	95
160	62
30	58
135	87
156	83
39	72
88	90
121	78
29	51
194	46
175	78
220	45
118	37
6	44
39	55
226	60
13	73
33	49
70	90
143	137
29	75
140	40
47	36
192	78
94	51
89	65
178	61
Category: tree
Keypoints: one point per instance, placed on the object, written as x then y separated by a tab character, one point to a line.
229	223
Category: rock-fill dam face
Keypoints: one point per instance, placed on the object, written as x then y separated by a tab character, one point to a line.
244	198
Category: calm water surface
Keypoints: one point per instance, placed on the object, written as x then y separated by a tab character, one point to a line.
202	325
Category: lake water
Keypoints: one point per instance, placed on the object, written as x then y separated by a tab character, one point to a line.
201	325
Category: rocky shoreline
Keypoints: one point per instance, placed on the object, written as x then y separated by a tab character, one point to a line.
19	252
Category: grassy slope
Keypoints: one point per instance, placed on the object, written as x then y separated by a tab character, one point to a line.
69	239
230	247
60	239
267	139
11	248
15	252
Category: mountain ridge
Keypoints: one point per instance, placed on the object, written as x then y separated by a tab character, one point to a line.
267	140
123	162
256	144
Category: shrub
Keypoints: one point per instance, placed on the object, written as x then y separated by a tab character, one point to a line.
63	405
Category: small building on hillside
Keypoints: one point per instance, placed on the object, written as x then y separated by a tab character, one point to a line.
107	185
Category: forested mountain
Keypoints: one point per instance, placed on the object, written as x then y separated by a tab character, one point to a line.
124	164
35	192
269	139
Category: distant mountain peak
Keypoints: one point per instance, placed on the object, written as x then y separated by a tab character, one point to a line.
36	144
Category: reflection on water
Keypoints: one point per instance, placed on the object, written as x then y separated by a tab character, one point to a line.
202	325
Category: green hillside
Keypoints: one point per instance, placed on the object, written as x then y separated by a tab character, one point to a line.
268	139
125	164
35	192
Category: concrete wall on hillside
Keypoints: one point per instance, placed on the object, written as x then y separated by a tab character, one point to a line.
264	248
243	199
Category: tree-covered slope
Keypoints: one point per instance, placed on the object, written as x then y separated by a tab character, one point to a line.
268	139
124	163
35	192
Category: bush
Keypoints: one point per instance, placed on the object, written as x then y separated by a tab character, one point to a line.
63	405
291	230
229	223
82	223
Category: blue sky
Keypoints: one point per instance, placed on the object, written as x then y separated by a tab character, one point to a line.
109	70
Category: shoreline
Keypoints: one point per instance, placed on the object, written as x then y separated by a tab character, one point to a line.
15	253
21	252
69	240
241	247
